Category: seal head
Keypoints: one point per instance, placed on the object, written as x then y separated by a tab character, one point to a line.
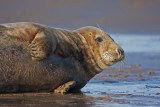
102	49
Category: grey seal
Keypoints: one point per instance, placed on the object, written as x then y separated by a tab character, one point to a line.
38	58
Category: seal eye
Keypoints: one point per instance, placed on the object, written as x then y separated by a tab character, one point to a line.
99	39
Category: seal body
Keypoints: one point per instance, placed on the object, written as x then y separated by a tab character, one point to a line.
37	58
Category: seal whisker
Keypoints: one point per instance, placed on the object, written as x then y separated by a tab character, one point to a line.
121	65
32	53
99	28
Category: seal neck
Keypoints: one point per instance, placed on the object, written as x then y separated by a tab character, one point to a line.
67	44
73	44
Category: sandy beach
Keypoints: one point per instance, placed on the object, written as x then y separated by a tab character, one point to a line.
134	25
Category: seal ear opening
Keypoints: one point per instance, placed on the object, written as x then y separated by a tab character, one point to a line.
90	33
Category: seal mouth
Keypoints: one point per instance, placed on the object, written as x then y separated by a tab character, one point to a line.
109	57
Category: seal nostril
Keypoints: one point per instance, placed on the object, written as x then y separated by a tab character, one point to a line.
120	52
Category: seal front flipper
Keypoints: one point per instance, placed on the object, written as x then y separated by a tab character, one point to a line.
65	87
42	46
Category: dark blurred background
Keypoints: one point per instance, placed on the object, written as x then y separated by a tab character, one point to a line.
113	16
